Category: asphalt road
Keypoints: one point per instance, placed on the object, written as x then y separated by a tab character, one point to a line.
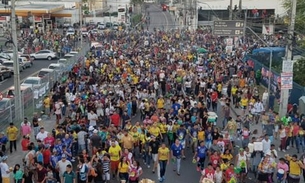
159	19
38	64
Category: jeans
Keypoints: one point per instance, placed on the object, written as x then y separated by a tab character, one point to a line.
81	147
177	164
200	163
224	122
299	142
147	158
162	164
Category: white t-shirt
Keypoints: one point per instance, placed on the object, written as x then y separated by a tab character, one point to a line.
42	136
63	166
92	119
4	169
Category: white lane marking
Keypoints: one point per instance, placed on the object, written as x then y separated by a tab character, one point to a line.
3	81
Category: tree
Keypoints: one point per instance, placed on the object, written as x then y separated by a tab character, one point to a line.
298	72
300	14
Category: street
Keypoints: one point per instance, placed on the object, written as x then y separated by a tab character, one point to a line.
159	19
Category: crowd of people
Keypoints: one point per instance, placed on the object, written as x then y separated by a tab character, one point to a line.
151	97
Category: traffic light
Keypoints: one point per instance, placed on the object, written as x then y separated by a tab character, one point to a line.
5	2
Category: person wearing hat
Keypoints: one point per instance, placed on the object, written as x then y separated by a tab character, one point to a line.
12	134
62	165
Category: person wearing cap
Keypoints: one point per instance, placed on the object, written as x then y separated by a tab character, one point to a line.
12	135
62	165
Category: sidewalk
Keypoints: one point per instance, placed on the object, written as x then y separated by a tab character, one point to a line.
16	157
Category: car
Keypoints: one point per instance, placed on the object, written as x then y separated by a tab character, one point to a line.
70	32
25	63
68	56
11	53
10	65
115	26
62	61
73	52
5	56
93	31
5	73
101	26
44	54
57	67
66	25
45	71
85	32
33	82
26	93
28	58
108	25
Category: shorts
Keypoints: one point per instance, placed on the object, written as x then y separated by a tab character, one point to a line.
114	165
263	177
58	116
154	157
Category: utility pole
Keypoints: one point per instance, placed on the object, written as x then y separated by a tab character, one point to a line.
18	104
287	66
81	23
231	10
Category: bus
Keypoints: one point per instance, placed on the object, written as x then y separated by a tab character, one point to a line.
121	14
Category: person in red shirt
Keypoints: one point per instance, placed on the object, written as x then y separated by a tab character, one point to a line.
49	140
229	173
25	142
115	119
214	159
208	173
46	155
214	99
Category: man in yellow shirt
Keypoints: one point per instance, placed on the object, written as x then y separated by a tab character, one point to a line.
160	103
163	159
12	135
47	105
115	153
295	168
155	131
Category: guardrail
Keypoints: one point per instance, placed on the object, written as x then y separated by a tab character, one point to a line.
32	97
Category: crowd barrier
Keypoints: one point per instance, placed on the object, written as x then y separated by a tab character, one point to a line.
32	97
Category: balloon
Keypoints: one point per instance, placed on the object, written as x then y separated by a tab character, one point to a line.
237	169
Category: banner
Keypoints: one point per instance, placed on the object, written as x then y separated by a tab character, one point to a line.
286	81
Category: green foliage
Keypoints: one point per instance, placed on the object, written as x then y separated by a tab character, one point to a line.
299	71
136	19
300	14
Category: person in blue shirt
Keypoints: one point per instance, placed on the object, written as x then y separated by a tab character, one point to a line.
58	146
67	152
67	141
177	152
208	137
176	106
181	134
200	155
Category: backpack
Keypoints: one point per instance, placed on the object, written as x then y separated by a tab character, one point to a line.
83	174
133	174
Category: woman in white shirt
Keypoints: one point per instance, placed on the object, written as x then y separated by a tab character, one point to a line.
5	170
283	136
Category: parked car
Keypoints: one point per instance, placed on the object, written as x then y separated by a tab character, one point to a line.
101	26
57	67
24	62
62	61
70	31
5	73
45	71
10	53
5	56
34	82
67	56
26	93
10	65
73	52
115	26
44	54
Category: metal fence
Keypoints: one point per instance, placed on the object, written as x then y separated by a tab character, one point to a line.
32	97
294	94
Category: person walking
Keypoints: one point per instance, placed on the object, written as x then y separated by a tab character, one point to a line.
12	134
177	152
163	159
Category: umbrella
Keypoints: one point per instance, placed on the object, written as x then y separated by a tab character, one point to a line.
201	50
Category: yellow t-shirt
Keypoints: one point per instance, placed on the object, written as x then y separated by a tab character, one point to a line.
155	131
163	153
227	156
233	90
135	136
114	153
160	103
47	102
123	168
175	128
244	102
201	135
162	128
12	133
294	167
219	87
